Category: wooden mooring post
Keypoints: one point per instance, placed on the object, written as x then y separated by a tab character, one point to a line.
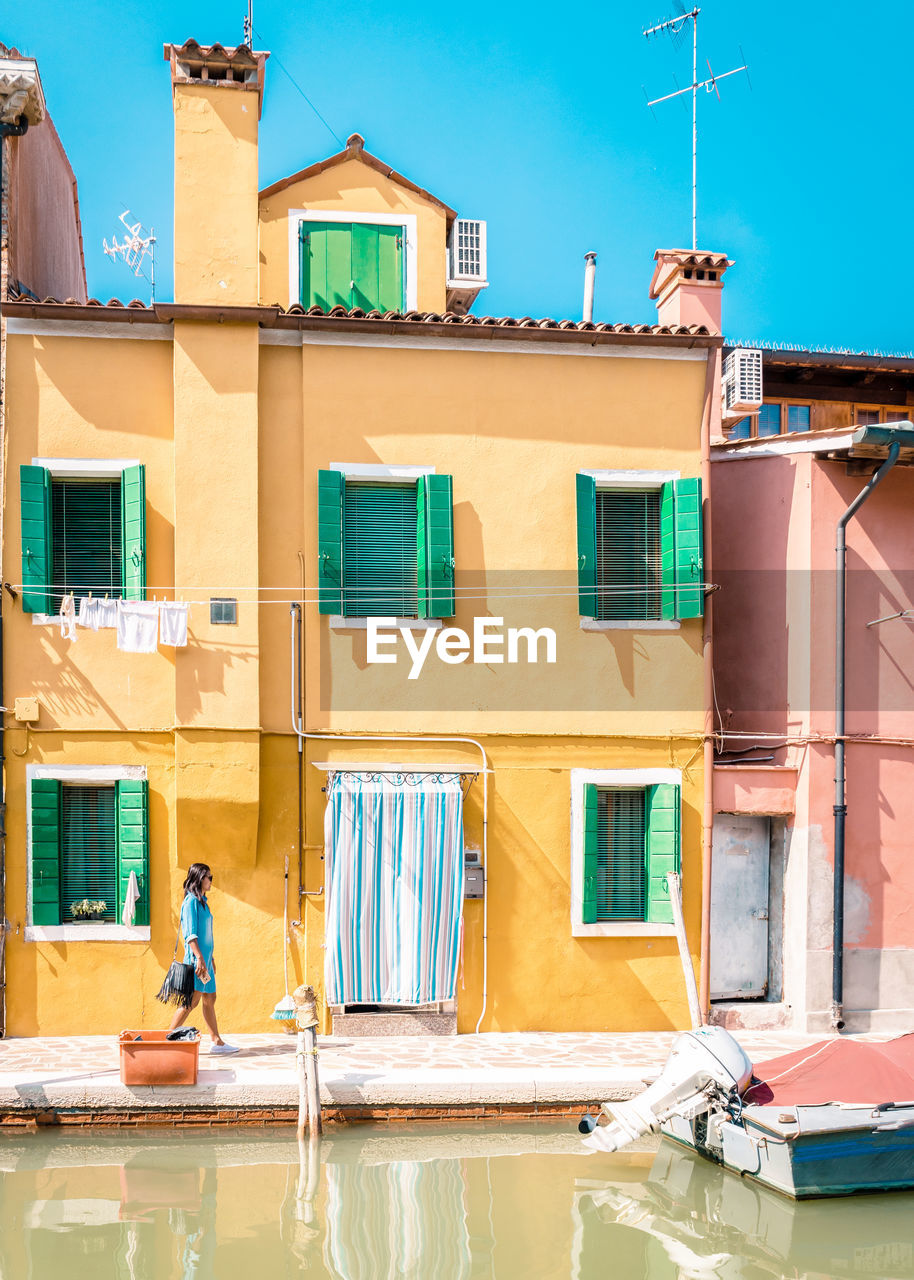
309	1091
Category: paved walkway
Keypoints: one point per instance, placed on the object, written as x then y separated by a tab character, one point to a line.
50	1077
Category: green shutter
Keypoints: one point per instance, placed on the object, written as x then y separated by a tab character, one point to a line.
87	519
133	844
591	854
390	268
133	524
45	851
587	545
662	848
620	871
35	493
682	549
380	554
88	850
330	541
628	554
326	264
435	546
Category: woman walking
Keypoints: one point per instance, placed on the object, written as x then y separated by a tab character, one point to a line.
197	931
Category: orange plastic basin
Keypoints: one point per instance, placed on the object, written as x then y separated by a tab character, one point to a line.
155	1060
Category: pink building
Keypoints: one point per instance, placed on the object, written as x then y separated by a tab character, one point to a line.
778	490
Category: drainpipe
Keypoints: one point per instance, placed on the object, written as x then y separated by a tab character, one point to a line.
894	437
711	391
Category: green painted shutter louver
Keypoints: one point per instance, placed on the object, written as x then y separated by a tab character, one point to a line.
133	520
87	541
591	854
326	264
586	492
45	796
330	541
682	555
663	848
344	264
380	552
35	496
620	870
377	267
628	554
133	843
88	850
435	546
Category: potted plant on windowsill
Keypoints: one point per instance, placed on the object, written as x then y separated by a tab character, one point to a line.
88	909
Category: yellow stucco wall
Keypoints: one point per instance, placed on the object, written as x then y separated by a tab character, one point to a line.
351	187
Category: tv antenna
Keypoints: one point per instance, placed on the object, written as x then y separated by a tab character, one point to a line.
249	26
676	28
134	250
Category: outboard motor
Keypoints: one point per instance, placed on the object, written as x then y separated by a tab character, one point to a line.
702	1065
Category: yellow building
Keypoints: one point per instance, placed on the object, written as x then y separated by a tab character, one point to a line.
304	441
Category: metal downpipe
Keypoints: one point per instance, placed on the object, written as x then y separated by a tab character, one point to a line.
840	805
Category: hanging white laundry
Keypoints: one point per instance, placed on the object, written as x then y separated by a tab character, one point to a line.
131	898
137	626
106	613
68	617
88	613
173	623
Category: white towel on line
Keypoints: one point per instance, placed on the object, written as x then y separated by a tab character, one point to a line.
68	617
173	623
137	626
88	613
106	613
131	898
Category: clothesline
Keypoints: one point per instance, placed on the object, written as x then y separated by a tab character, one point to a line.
312	594
141	625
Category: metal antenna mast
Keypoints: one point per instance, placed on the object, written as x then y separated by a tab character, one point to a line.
675	28
134	249
249	26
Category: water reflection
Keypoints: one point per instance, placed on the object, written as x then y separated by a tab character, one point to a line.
375	1203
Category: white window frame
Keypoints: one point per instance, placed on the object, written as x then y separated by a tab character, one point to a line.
630	480
608	778
101	931
381	473
408	221
79	469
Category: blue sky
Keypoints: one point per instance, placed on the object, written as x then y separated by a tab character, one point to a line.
534	118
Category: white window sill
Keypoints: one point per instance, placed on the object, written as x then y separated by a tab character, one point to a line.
338	622
646	624
622	929
97	932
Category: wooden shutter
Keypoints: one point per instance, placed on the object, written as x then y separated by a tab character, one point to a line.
325	260
587	545
133	843
390	268
380	555
35	491
133	524
628	554
620	879
591	854
682	549
662	848
88	849
45	851
330	541
435	546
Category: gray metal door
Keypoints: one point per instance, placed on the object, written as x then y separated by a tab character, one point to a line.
740	854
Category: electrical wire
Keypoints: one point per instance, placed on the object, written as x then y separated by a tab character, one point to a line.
288	74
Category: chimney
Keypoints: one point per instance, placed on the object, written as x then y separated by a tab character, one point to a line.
687	285
218	94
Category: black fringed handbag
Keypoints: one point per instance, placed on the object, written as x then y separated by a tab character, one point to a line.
178	987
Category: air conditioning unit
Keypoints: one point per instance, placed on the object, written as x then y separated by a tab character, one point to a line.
742	382
466	263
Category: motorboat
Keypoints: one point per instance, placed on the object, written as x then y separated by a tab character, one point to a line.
831	1119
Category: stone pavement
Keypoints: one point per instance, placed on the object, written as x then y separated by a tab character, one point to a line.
75	1079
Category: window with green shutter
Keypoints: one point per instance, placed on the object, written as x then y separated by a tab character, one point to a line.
351	264
631	841
640	555
385	549
86	839
83	535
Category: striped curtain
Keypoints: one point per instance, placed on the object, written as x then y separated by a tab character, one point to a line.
395	888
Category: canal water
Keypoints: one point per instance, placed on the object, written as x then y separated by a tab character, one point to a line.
441	1203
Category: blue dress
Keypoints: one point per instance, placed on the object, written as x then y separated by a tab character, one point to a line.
197	922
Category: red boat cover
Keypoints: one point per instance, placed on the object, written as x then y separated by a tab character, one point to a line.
852	1071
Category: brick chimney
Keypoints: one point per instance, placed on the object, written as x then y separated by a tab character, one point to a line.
687	285
218	94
